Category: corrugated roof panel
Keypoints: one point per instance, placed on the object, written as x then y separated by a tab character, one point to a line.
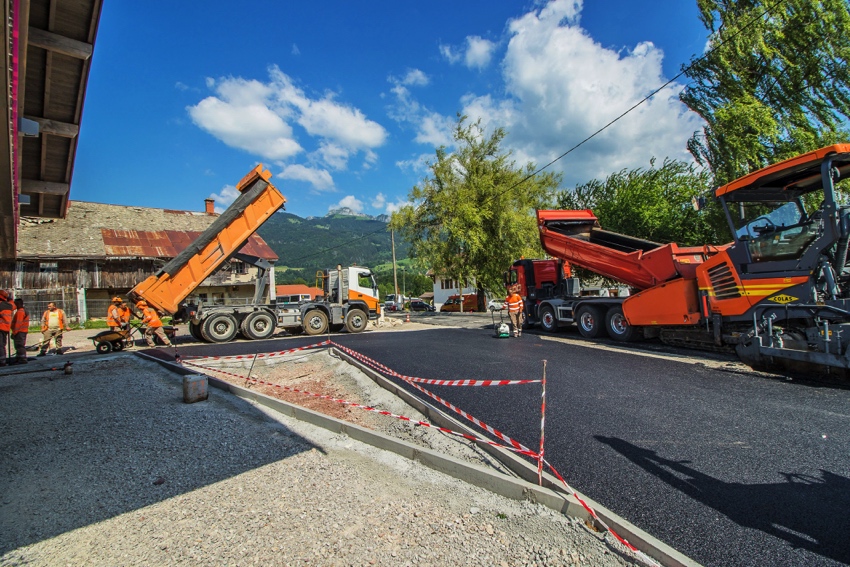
168	243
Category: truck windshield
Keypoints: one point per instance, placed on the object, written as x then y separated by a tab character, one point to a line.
775	230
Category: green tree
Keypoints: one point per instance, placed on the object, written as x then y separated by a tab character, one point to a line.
474	214
773	83
655	204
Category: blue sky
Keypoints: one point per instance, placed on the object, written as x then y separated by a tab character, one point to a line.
344	101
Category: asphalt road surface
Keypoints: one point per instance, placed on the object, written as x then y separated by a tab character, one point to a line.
728	468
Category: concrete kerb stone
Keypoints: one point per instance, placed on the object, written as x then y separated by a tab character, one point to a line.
499	483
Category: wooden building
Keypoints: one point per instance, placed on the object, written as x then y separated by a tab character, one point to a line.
99	251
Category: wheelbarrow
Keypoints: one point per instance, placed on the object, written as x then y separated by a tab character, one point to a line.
117	340
109	341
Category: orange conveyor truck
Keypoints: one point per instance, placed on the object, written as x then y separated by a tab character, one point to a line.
346	303
778	294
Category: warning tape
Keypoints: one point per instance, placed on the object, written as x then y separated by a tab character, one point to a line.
258	355
527	452
519	447
512	445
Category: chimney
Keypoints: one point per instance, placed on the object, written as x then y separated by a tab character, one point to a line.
209	206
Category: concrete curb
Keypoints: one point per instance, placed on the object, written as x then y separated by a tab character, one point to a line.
516	489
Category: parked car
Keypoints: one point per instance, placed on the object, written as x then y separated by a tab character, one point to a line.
452	304
420	305
495	304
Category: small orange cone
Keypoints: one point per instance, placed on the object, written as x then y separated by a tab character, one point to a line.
408	318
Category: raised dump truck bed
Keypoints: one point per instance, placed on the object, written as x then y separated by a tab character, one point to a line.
575	236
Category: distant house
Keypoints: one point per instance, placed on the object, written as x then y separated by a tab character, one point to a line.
286	293
446	287
99	251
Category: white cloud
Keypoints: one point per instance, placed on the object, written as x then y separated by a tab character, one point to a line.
393	207
479	52
350	202
476	53
562	86
260	117
450	53
225	198
379	201
417	164
295	50
415	77
320	179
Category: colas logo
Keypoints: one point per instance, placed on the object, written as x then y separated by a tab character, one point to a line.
782	298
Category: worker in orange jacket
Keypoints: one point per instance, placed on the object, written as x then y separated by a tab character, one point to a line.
125	314
154	325
113	314
514	304
20	328
53	324
6	309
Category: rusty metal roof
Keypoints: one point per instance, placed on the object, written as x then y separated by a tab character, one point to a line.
168	243
100	231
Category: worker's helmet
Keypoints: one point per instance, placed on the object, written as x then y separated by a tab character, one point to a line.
116	299
142	304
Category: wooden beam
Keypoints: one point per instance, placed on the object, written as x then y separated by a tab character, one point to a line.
55	127
60	44
44	187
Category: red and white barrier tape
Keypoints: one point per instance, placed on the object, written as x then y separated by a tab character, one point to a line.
513	445
360	406
258	355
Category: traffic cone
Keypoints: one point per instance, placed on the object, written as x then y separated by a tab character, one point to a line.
408	318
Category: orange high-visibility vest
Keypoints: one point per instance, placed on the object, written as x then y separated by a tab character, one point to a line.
46	317
6	315
125	314
20	321
151	318
514	302
113	316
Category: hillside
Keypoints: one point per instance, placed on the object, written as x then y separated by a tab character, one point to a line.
321	242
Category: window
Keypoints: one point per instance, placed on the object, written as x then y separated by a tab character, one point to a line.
238	268
48	267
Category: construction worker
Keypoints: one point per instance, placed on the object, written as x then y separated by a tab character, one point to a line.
53	324
113	314
6	309
514	305
154	326
125	314
20	328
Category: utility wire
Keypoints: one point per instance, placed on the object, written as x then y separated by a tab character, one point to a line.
684	70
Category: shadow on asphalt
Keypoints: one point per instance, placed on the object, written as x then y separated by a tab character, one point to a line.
808	512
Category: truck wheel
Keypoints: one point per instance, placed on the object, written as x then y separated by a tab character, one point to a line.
315	322
219	328
258	325
589	321
618	327
195	331
547	319
355	321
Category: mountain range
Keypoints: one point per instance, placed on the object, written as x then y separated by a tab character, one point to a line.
342	237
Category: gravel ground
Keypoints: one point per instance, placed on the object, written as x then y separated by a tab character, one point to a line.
109	467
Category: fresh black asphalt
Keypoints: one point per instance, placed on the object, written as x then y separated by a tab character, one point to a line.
728	468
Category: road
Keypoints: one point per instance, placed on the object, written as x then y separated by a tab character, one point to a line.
729	468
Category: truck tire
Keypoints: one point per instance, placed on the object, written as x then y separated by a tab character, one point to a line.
258	325
315	322
618	327
356	321
195	331
589	321
547	319
219	328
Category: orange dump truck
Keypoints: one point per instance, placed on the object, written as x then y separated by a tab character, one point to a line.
351	294
779	293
